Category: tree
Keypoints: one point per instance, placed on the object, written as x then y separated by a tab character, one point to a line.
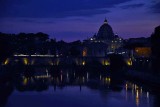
5	47
155	41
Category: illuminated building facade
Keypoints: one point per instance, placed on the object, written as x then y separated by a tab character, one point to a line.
104	42
142	51
140	47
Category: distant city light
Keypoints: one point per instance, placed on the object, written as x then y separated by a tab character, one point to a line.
83	63
6	61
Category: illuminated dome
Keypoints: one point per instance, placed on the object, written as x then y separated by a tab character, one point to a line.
105	32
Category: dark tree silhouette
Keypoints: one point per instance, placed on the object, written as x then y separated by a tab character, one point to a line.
5	47
155	41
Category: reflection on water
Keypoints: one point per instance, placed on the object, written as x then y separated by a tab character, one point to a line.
137	93
42	86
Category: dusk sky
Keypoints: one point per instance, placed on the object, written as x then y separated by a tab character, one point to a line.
78	19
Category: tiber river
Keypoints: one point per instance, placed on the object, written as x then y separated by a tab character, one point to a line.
47	87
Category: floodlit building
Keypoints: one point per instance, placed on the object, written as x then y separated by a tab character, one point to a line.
104	42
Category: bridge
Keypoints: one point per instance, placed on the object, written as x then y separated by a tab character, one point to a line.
58	60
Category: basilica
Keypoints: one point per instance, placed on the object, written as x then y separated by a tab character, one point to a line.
103	43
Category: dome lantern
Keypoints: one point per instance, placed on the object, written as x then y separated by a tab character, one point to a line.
105	21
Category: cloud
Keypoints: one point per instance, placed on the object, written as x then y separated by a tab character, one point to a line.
132	6
55	8
156	7
86	13
38	21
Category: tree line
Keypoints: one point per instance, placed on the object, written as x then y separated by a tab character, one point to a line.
38	43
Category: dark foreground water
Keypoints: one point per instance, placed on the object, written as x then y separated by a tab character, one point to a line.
69	88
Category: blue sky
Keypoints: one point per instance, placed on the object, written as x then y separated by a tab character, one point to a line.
78	19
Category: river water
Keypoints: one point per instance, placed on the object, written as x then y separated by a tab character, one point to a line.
70	88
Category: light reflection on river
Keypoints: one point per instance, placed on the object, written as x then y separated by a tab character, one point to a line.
70	88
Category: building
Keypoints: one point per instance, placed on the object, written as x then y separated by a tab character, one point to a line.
104	42
139	47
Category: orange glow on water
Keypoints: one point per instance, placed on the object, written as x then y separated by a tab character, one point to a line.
25	81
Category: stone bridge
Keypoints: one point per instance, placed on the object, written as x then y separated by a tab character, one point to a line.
55	60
